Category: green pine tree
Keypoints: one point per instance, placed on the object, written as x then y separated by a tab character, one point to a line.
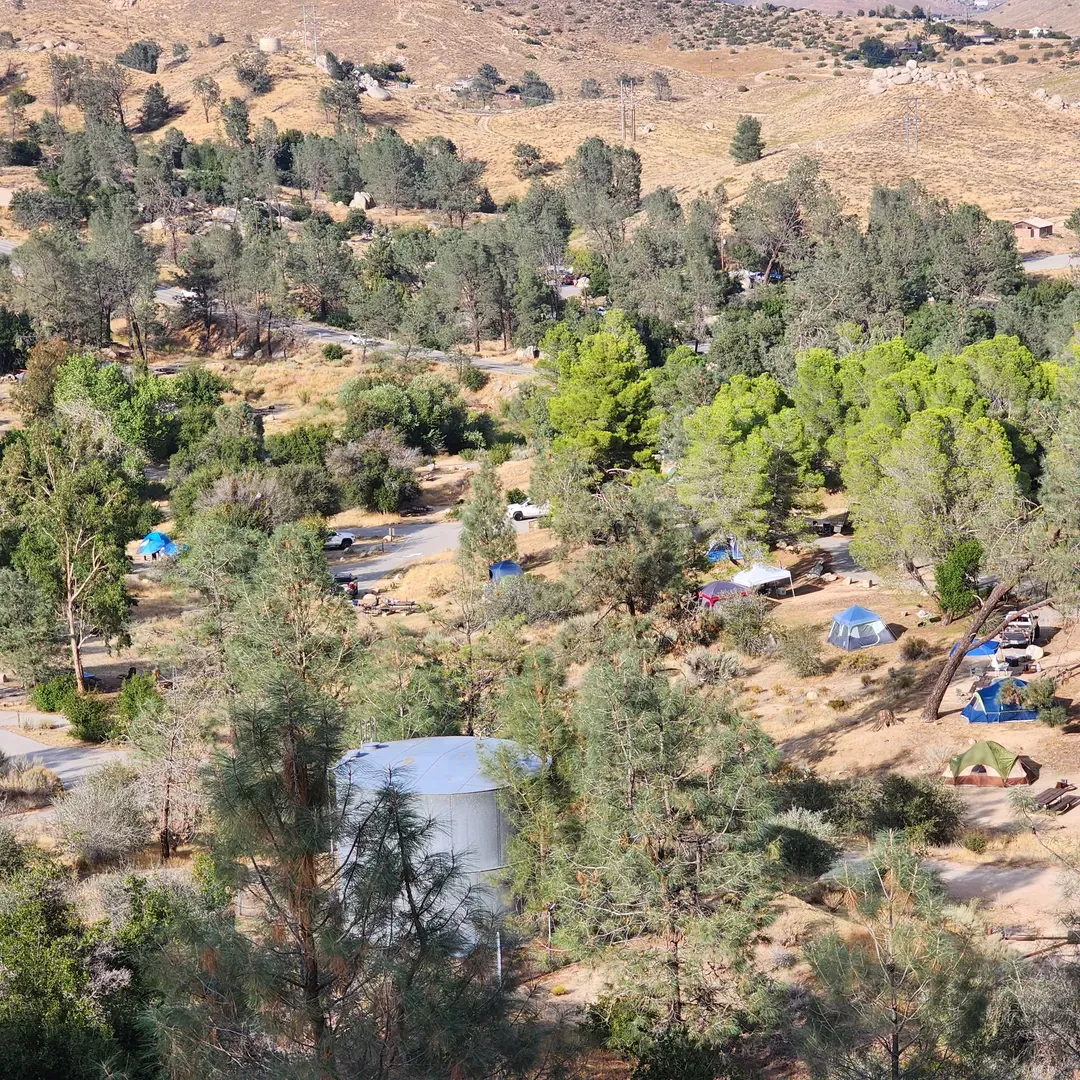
486	535
747	144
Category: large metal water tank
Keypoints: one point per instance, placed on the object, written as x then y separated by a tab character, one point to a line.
450	779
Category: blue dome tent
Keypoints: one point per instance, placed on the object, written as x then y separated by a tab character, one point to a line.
986	705
157	543
985	651
506	568
858	628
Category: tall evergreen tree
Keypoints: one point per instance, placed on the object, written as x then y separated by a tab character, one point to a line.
486	534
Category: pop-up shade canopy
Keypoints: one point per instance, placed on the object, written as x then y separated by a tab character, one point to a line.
759	575
715	591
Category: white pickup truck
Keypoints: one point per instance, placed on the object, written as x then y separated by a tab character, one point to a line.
1020	632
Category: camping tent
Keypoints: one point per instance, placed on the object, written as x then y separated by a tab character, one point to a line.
989	764
857	628
986	706
724	549
759	575
157	543
506	568
715	591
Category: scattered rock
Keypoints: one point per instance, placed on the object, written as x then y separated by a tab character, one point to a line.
876	88
1040	94
648	128
36	47
1055	103
371	87
710	126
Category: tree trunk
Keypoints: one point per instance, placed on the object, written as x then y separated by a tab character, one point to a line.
165	843
952	665
76	651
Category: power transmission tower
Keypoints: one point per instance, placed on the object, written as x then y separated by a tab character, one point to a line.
911	127
309	17
628	110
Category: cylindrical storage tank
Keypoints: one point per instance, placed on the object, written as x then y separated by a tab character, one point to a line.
269	44
450	781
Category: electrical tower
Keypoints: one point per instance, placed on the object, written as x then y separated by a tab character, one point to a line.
628	110
310	20
911	127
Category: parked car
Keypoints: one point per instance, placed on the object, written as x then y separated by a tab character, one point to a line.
339	541
1020	632
527	510
366	342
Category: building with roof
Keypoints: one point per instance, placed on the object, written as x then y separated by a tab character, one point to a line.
1033	227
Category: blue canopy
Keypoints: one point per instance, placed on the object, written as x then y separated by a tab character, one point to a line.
155	543
986	706
856	628
506	568
980	652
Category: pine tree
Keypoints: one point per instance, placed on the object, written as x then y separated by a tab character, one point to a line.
156	108
747	145
486	535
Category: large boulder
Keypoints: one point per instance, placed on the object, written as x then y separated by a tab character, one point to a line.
903	79
875	87
370	85
361	200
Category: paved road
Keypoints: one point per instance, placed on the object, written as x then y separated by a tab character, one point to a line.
70	763
416	540
1051	262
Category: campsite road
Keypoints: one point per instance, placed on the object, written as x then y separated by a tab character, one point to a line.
414	540
70	763
1050	262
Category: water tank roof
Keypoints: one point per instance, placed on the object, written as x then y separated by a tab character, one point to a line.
440	765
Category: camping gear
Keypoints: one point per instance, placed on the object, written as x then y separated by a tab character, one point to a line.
157	543
857	628
989	764
506	568
987	707
715	591
724	549
759	576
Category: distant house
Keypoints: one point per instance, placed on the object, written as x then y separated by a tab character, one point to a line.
986	39
1033	226
6	197
910	48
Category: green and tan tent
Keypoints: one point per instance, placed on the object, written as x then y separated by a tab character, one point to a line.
989	764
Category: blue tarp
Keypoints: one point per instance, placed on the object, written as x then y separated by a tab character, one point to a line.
157	543
986	707
506	568
980	652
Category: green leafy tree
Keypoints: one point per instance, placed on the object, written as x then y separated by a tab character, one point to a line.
591	90
77	509
748	461
534	91
603	188
486	535
956	579
253	71
207	90
29	630
141	55
237	121
528	161
747	144
602	405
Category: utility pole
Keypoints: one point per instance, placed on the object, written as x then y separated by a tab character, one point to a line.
622	111
628	110
315	31
633	113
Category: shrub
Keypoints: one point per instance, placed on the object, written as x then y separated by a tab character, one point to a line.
473	378
50	696
356	222
333	351
38	780
975	841
141	56
516	495
914	648
805	841
103	819
90	717
746	624
214	39
800	648
1039	695
139	694
252	71
12	853
709	668
860	661
530	598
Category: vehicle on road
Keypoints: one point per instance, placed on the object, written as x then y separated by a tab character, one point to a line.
339	541
366	342
527	510
1020	632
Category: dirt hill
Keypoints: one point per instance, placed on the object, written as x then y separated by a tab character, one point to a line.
1003	149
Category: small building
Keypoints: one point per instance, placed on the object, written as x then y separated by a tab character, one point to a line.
985	39
1033	227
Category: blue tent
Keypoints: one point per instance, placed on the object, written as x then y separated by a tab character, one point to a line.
981	652
857	628
157	543
986	706
506	568
724	549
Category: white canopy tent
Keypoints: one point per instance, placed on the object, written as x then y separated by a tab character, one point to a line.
759	575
